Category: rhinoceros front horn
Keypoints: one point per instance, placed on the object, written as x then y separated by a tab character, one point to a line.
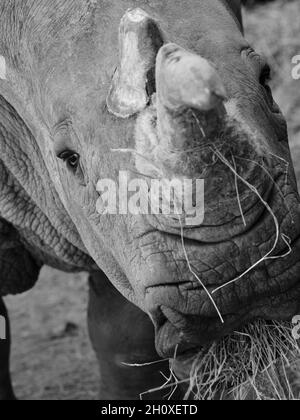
185	79
139	42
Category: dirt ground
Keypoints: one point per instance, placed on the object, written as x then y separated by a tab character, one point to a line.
51	355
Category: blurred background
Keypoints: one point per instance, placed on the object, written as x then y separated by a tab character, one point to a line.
273	28
51	355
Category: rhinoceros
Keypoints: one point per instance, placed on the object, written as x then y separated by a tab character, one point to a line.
160	89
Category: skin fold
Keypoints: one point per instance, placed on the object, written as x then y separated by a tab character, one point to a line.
61	59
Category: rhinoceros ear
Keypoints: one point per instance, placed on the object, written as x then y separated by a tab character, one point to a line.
139	42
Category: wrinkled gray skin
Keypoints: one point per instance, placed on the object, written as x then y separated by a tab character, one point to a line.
60	59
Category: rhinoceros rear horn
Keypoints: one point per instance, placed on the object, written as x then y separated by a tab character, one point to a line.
139	42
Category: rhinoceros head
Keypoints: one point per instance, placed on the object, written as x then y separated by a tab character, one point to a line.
123	90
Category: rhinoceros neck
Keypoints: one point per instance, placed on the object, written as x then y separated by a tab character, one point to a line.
28	200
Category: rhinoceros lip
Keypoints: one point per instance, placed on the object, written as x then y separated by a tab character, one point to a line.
174	344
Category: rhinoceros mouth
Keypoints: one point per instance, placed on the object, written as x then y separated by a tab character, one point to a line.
181	307
186	334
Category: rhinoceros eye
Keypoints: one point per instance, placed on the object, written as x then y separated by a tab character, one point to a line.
71	158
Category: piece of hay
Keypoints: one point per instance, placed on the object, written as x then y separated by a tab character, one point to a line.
258	363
